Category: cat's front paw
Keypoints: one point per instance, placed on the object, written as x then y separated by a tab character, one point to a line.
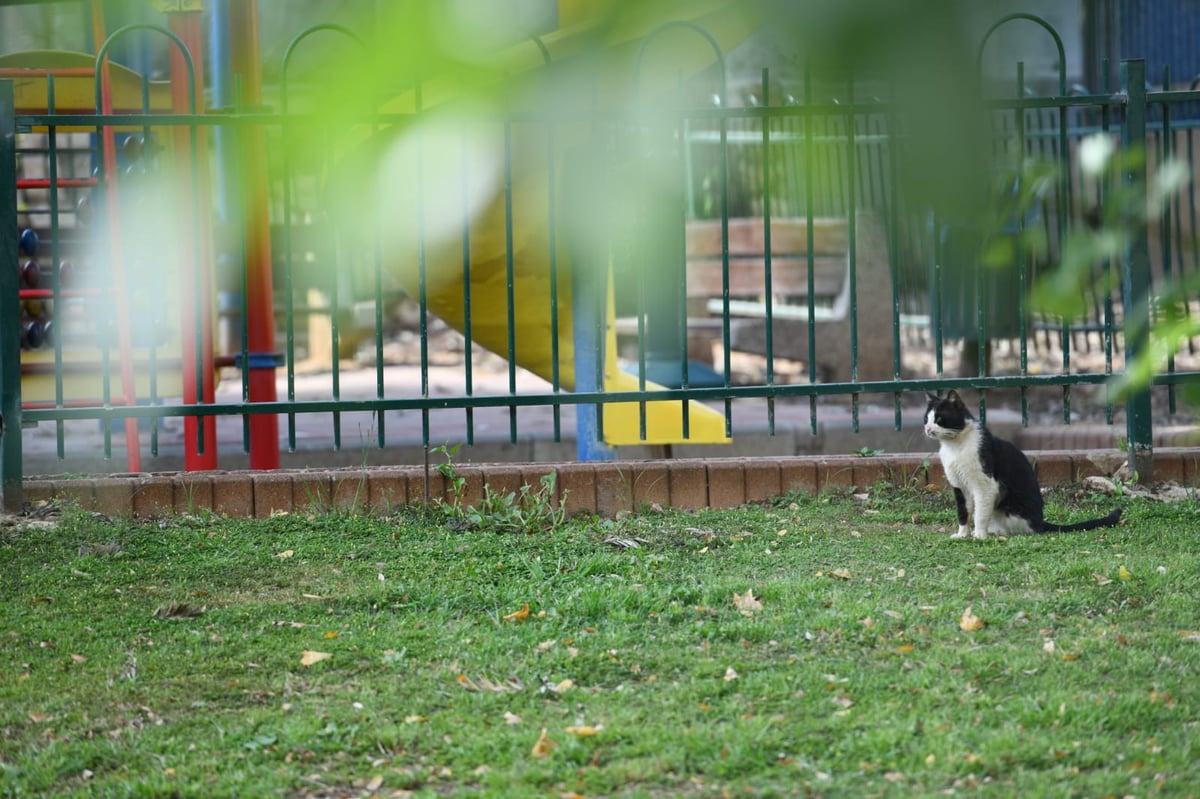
980	535
963	532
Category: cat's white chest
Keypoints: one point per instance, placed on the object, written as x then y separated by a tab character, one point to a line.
960	461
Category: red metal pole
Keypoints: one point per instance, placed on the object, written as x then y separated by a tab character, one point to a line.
260	313
196	252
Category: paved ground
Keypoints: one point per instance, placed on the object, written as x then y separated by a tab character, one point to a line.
793	434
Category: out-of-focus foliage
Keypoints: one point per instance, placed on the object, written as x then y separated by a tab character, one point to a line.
1093	255
466	63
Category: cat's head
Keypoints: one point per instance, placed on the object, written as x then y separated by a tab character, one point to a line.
946	417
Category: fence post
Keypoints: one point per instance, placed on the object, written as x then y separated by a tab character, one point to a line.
1135	276
10	310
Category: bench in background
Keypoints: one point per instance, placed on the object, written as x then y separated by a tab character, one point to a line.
790	291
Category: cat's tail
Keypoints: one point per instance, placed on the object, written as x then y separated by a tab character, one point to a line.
1091	524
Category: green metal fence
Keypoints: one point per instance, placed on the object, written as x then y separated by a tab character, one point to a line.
137	317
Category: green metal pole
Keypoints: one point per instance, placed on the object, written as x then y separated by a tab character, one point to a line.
10	309
1136	276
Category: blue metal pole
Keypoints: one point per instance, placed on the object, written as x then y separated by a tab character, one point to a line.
589	357
221	96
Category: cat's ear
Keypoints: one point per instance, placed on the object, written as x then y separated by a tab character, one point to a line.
953	398
932	397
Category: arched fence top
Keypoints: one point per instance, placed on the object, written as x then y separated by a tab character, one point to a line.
332	27
542	48
364	50
1046	26
102	55
686	25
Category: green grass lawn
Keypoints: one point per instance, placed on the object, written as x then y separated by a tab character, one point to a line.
817	646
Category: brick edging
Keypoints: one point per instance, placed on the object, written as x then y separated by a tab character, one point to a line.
606	489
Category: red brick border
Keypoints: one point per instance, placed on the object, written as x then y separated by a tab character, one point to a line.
606	488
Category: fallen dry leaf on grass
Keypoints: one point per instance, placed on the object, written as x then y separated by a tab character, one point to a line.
1101	579
177	610
585	731
747	603
484	685
544	745
970	622
285	554
91	550
519	615
841	574
309	657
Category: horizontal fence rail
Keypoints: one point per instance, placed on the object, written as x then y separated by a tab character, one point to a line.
624	259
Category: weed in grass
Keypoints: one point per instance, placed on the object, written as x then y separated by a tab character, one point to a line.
142	660
528	510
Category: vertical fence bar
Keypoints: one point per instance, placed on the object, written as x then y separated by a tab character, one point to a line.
335	336
810	261
423	278
510	279
467	332
552	267
890	198
1136	276
1165	154
188	242
727	365
377	290
10	311
850	121
768	286
680	266
56	261
289	286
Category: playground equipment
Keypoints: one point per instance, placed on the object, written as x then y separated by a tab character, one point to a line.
518	293
95	316
473	208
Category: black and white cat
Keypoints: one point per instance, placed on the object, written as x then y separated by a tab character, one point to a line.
994	484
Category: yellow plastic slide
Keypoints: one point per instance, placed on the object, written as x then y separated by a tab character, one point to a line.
448	171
